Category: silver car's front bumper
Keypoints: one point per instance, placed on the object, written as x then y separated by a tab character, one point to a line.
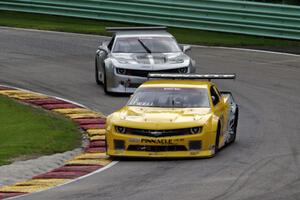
119	83
124	84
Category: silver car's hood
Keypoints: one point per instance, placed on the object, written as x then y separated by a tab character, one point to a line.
149	59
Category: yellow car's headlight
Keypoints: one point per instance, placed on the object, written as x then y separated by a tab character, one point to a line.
196	130
120	129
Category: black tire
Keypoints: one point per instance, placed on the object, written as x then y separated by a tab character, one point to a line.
236	119
217	138
105	82
97	74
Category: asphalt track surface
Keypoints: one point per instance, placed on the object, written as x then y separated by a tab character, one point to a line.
264	163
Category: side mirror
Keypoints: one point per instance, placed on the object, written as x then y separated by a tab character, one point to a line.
186	48
213	98
103	48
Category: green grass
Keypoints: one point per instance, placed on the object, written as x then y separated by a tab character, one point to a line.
78	25
30	132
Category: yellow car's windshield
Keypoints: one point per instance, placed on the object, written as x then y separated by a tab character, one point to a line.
170	97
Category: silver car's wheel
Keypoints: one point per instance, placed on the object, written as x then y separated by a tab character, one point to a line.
236	118
98	80
105	82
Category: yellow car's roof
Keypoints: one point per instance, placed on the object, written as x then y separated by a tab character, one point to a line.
178	83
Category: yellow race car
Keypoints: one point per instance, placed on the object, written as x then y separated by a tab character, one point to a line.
175	115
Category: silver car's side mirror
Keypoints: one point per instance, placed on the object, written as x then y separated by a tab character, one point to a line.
104	48
186	48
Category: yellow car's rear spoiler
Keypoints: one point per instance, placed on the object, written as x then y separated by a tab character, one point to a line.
191	76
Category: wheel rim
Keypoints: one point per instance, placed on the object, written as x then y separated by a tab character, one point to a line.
104	82
100	77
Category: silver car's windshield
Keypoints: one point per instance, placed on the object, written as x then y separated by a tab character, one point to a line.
145	45
170	97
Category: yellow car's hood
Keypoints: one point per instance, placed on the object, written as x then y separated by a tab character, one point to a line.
157	118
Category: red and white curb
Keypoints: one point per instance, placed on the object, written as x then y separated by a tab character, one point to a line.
91	161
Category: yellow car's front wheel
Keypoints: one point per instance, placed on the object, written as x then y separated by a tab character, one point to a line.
216	148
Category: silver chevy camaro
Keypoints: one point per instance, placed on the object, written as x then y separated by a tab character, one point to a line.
123	63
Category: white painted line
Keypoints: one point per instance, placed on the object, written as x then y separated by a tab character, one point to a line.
48	31
73	102
245	49
95	172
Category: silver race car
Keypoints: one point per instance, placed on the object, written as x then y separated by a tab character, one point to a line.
123	63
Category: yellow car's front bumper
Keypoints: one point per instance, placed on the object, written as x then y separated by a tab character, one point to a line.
123	145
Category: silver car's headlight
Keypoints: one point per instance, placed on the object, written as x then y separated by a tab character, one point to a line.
179	59
121	71
125	61
122	60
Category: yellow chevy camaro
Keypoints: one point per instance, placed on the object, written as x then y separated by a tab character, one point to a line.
175	115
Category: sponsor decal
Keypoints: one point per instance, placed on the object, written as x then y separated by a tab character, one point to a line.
161	141
157	141
136	140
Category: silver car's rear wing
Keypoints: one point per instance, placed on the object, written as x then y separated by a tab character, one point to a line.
191	76
146	28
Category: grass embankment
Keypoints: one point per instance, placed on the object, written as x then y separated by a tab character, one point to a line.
28	132
77	25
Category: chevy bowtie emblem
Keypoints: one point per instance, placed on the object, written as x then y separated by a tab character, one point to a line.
156	133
